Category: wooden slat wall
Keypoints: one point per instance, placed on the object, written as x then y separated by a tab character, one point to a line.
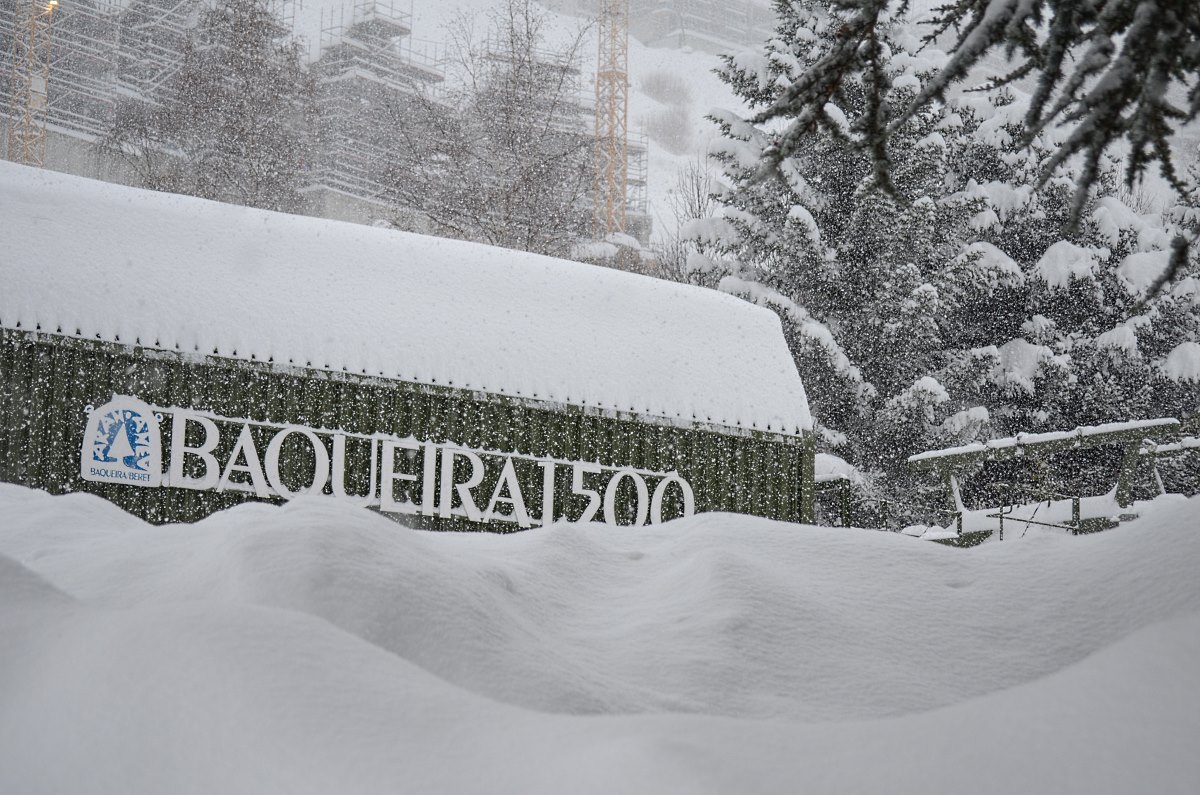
46	380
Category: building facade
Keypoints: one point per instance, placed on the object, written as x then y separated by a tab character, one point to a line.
367	68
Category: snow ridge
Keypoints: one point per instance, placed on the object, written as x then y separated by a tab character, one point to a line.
317	648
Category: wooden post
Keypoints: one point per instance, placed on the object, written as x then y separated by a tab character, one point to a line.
1125	479
951	486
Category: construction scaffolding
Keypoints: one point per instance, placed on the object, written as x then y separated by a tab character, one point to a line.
637	175
151	38
32	32
368	74
611	162
101	52
715	26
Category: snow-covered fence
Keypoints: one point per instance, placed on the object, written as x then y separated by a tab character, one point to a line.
1137	440
178	356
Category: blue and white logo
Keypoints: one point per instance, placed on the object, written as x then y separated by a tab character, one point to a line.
121	444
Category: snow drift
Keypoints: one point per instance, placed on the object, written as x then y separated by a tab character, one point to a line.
317	648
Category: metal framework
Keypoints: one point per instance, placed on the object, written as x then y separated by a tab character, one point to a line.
711	25
612	119
93	40
33	36
1037	447
152	37
368	68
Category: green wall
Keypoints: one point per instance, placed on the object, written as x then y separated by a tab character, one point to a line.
46	380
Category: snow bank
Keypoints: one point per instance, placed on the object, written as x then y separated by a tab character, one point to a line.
315	648
179	273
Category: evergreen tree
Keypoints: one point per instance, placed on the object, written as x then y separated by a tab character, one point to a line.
231	123
1111	69
946	306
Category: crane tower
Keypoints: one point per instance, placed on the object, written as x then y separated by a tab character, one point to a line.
612	119
33	28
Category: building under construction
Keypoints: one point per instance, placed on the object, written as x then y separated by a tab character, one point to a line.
57	80
715	26
368	74
59	98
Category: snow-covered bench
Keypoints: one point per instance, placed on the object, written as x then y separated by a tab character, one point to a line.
1137	439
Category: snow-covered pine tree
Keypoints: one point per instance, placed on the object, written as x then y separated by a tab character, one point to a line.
1113	70
1093	334
949	307
232	122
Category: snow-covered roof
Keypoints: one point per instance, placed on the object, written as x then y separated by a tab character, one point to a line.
104	261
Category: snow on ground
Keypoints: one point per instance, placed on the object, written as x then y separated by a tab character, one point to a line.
319	648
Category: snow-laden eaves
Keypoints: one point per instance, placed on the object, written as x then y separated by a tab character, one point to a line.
108	262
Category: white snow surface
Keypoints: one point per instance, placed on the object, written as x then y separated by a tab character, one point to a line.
1021	439
828	467
1019	363
1183	362
1142	269
1065	261
317	648
179	273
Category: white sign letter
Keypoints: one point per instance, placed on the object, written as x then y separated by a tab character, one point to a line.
508	477
387	482
547	491
610	497
689	500
179	449
320	463
577	470
245	446
428	505
449	454
338	481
